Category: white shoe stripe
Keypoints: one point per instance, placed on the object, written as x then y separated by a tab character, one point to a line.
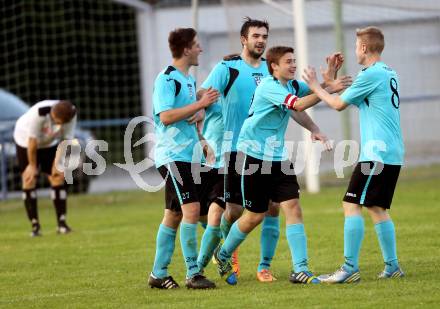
353	277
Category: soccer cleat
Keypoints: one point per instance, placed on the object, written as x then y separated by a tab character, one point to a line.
224	269
304	277
35	230
231	279
395	274
213	258
265	275
199	282
166	283
341	276
235	263
63	228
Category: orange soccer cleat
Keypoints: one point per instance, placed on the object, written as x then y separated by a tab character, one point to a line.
235	263
265	275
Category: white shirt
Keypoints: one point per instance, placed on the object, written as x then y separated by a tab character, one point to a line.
37	123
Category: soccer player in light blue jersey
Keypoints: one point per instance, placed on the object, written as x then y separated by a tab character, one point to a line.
212	183
174	102
236	78
266	172
375	92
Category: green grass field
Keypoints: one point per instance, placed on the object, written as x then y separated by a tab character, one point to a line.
104	263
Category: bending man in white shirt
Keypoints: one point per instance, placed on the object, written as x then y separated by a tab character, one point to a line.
37	135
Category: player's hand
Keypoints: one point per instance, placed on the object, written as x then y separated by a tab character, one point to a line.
309	76
339	84
318	136
209	154
210	96
30	173
339	60
334	63
197	117
329	73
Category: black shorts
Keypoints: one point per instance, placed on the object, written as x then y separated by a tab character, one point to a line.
373	184
232	178
211	190
180	187
45	158
269	183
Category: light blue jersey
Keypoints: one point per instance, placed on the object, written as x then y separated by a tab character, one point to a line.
236	81
376	93
262	135
177	141
213	132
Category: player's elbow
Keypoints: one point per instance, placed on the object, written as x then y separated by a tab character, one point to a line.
339	108
165	119
338	104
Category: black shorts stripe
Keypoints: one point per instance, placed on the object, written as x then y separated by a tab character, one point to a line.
372	184
180	188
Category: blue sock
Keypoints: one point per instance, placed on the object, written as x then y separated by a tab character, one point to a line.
210	240
296	237
387	239
353	235
234	239
225	226
270	233
188	241
165	239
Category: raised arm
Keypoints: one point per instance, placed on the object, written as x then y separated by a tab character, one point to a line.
312	99
334	101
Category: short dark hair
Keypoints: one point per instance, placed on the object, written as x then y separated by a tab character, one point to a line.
231	56
274	54
179	39
249	22
373	37
64	110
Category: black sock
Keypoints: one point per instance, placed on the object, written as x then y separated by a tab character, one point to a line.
59	197
30	204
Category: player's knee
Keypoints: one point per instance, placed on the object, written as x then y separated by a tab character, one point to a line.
294	205
378	214
293	210
351	209
29	184
172	218
56	179
215	214
235	211
253	219
191	212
